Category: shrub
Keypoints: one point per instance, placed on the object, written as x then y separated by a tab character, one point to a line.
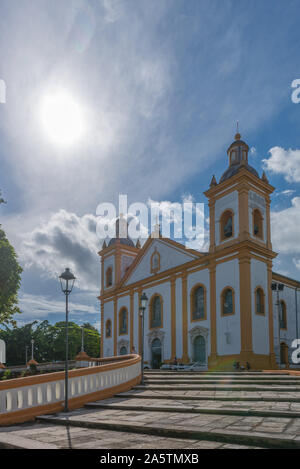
6	375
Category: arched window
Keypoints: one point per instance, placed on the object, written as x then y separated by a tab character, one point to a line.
283	318
257	223
226	225
198	300
155	262
108	329
109	277
227	301
259	301
123	323
156	312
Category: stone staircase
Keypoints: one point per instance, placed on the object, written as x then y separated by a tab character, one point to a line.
184	410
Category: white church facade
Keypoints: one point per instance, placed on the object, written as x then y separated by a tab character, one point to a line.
214	308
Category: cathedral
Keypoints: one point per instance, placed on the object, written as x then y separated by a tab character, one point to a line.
216	308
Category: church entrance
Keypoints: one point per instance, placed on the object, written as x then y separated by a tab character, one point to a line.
123	351
199	349
156	353
284	354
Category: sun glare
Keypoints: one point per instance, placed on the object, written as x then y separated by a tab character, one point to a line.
62	118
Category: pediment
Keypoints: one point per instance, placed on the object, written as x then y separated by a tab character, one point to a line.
158	255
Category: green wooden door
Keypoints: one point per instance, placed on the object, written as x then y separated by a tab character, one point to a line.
156	353
199	349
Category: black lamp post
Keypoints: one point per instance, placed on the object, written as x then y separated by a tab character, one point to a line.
143	306
278	287
67	280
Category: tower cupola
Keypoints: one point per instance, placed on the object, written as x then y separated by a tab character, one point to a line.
238	151
238	158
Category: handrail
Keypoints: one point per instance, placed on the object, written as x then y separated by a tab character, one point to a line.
22	399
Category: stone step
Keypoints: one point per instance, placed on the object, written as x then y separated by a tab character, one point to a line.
50	436
170	377
221	387
189	397
217	373
189	381
195	410
266	432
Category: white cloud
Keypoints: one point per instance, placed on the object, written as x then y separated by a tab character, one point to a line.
286	192
65	240
296	262
285	162
285	228
38	307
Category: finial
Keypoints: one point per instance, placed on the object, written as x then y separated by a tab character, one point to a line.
213	181
264	177
138	244
237	135
104	245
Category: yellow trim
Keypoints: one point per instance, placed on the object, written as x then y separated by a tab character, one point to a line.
161	312
263	300
242	176
102	329
185	357
271	318
222	301
102	275
173	317
140	322
213	311
286	280
243	213
268	221
115	325
245	303
212	221
120	311
131	319
192	292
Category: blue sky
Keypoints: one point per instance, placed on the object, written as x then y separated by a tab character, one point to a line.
160	85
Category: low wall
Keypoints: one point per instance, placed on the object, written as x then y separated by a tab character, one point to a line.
23	399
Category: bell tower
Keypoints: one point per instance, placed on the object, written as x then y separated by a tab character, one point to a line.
240	203
240	246
117	254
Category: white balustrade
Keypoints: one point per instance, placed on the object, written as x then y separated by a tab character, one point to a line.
45	393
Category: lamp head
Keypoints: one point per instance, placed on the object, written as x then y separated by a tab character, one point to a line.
67	280
144	300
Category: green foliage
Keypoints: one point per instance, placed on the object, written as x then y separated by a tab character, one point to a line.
6	375
49	341
10	279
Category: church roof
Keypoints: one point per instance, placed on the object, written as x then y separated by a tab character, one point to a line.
234	169
126	241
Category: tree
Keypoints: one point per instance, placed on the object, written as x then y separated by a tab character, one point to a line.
49	341
10	279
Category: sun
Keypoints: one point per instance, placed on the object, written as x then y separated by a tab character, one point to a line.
61	117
